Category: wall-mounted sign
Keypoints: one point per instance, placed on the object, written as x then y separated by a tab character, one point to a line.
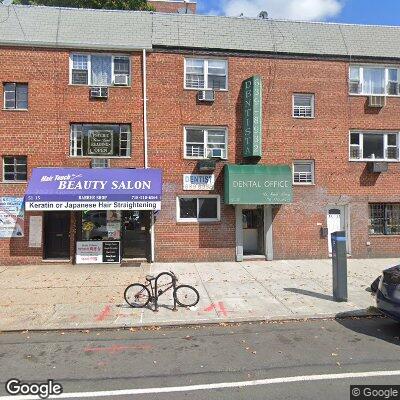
252	116
77	189
11	217
257	184
100	143
198	182
97	252
35	231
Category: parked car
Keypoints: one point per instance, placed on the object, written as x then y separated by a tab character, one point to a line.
388	293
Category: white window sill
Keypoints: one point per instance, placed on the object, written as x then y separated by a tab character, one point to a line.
16	109
313	117
303	184
102	157
371	160
110	86
201	89
197	221
204	159
14	182
367	95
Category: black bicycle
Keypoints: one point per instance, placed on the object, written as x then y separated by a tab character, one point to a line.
138	295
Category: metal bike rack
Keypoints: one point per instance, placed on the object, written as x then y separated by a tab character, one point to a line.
173	280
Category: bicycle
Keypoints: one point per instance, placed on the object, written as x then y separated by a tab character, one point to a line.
138	295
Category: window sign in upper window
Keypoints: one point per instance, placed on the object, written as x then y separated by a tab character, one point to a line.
98	140
368	80
205	74
205	142
303	105
374	146
100	70
16	96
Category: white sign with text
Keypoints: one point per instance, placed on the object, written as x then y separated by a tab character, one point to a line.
198	182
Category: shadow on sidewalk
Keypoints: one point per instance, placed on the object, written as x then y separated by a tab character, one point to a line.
378	327
309	293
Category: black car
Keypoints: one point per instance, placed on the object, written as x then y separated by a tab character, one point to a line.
388	293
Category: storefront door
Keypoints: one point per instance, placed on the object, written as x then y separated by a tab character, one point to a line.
136	234
253	231
56	235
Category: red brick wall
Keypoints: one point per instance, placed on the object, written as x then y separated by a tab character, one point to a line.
296	227
172	6
42	133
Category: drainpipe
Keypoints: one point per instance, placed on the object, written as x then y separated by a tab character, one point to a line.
146	161
144	72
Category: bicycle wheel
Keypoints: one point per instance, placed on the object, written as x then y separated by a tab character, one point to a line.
186	296
137	295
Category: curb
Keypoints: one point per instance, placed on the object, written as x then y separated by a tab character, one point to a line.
368	313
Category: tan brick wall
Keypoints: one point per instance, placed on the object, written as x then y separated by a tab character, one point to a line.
172	6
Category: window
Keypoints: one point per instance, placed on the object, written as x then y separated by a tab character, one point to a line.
205	74
384	219
15	168
303	105
100	163
374	146
16	96
97	140
372	80
98	69
197	209
303	172
200	142
101	225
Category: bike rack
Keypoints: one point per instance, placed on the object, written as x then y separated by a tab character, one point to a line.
173	280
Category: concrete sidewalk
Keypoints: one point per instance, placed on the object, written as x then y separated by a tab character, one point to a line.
85	297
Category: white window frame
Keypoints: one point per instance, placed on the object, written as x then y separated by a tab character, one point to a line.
385	146
205	129
198	220
4	180
312	106
361	78
304	162
15	94
73	142
205	61
89	65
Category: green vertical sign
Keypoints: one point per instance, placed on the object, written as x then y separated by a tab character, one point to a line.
252	116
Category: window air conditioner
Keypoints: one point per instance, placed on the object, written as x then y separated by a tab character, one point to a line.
121	80
99	92
377	101
216	153
206	95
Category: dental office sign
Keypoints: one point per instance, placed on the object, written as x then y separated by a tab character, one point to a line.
53	189
198	182
252	116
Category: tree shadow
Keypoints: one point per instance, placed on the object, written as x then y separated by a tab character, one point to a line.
310	293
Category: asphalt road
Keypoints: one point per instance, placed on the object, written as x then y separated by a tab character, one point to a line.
183	358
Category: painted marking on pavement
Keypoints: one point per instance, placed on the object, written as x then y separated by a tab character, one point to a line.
116	348
104	313
211	386
222	308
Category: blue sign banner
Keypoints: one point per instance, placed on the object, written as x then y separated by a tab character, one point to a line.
94	189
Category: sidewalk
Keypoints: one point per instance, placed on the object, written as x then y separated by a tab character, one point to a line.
86	297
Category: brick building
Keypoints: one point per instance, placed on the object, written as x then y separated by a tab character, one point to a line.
270	135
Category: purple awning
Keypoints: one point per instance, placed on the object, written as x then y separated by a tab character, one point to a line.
94	189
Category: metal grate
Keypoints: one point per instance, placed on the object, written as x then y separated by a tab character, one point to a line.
384	219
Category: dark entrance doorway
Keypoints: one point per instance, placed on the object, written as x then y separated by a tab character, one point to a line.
253	231
136	234
56	235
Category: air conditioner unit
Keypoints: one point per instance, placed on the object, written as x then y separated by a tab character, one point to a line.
216	153
121	80
378	166
99	163
206	165
99	92
206	95
377	101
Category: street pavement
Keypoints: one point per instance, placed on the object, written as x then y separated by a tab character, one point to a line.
248	361
54	296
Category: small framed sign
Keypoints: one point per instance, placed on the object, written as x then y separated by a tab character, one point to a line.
198	182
